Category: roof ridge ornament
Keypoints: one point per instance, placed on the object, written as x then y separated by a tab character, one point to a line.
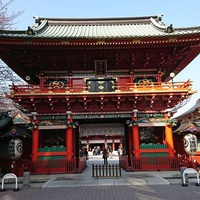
29	31
159	17
170	29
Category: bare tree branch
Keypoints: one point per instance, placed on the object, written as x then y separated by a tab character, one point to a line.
7	76
7	20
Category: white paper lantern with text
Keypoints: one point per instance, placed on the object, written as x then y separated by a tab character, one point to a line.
190	144
15	148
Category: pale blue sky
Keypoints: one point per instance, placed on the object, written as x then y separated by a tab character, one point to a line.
180	13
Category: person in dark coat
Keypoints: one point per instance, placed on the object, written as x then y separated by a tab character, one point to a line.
105	156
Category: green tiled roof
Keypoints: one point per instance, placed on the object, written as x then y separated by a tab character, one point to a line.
100	28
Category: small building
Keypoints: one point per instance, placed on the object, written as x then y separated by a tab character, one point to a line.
188	123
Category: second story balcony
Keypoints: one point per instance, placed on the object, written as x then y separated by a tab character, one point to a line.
102	87
100	96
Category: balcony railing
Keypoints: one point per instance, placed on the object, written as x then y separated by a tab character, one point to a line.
122	88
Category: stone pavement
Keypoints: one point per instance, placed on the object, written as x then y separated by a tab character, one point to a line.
124	192
127	178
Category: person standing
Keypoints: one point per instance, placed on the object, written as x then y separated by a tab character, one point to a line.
111	153
86	154
119	151
105	156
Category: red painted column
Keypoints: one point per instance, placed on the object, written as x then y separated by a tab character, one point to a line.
135	134
69	138
131	82
105	143
113	144
159	75
121	144
168	135
70	84
35	138
41	83
159	78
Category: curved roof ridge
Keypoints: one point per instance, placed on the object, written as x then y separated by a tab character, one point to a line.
41	26
186	28
100	28
191	110
158	25
108	20
182	126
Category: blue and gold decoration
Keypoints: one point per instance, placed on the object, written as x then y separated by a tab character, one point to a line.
132	123
171	122
72	124
31	126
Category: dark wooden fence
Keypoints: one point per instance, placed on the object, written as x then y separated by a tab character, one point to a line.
110	170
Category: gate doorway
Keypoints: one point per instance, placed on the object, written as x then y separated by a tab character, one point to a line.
95	137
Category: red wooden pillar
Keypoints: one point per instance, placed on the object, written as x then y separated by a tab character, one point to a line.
105	143
113	144
121	143
88	145
131	82
41	83
70	84
159	75
168	135
135	135
159	78
69	138
35	138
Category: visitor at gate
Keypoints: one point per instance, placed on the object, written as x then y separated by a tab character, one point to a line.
111	152
86	154
95	151
105	156
119	151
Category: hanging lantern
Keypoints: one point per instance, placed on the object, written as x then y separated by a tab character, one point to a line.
15	148
190	144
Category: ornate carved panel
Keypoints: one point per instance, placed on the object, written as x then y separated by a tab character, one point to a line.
101	129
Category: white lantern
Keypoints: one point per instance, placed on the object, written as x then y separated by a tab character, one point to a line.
190	144
15	148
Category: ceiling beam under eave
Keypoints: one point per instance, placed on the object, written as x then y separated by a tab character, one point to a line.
5	56
193	53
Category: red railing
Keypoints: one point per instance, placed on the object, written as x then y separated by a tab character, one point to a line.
49	166
147	163
82	164
82	88
155	163
123	160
